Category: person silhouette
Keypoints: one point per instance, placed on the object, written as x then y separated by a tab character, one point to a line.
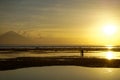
82	51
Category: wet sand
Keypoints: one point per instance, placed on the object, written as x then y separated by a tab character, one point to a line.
25	62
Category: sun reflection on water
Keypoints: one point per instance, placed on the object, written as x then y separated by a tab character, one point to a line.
110	55
109	47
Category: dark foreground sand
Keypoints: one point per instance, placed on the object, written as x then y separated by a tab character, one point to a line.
24	62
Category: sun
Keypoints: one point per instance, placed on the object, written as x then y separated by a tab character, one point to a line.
109	29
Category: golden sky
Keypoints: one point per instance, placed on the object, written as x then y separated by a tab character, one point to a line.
94	22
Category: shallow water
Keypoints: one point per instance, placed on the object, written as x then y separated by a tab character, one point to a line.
61	73
97	54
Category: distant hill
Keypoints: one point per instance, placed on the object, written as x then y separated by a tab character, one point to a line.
12	37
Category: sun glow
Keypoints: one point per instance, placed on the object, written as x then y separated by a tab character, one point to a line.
109	47
109	29
110	55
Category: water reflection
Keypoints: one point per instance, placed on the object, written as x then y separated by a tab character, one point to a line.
96	54
110	55
61	73
109	47
109	70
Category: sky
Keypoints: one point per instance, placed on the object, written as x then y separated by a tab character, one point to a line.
77	22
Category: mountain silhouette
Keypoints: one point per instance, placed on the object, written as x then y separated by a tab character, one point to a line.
12	37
